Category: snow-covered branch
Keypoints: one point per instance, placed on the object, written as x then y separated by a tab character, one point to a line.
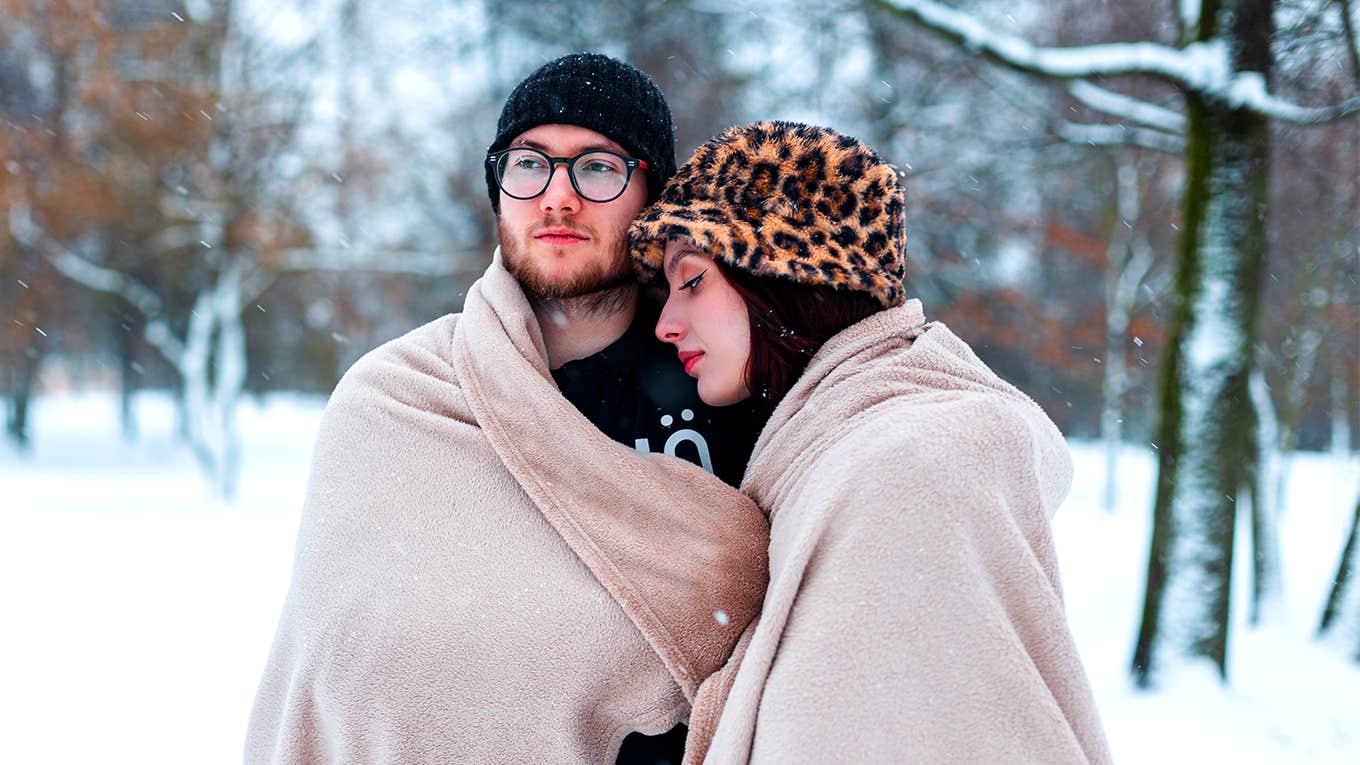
102	279
1126	107
1201	67
414	262
141	297
1248	90
1188	11
1119	135
1179	66
1350	19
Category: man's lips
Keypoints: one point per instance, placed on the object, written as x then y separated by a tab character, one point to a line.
689	359
559	236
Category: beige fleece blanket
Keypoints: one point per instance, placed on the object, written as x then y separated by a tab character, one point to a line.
914	612
482	576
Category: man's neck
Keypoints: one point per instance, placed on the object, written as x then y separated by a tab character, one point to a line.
574	328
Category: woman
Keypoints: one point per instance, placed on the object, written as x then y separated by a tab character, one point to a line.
914	610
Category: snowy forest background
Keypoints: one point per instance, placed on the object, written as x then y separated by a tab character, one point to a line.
1146	214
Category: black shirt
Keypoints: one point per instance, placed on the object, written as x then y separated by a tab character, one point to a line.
637	393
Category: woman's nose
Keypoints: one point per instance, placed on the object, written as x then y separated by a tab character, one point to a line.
668	328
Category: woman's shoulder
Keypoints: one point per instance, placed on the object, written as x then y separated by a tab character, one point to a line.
977	436
944	422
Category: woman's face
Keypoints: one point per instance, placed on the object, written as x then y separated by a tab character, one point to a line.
706	320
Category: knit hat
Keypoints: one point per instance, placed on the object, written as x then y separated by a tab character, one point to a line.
784	200
597	92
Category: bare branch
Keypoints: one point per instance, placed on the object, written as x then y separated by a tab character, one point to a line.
1248	90
1119	135
1189	14
1126	107
1200	67
1069	63
254	284
414	262
159	335
1093	134
1352	45
96	277
102	279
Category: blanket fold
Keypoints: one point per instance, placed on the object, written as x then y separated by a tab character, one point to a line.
914	611
683	554
481	576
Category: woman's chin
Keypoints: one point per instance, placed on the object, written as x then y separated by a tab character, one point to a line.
716	395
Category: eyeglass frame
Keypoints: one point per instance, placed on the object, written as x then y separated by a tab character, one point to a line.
632	163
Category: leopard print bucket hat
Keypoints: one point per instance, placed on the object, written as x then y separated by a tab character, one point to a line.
784	200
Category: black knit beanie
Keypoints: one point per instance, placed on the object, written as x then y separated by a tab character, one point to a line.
599	93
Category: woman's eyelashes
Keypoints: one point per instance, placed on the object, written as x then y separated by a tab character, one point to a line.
692	283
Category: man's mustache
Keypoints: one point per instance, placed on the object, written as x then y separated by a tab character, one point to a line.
560	222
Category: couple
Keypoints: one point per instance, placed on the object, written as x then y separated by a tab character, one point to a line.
522	541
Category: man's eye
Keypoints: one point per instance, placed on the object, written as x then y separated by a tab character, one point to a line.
529	163
597	166
692	283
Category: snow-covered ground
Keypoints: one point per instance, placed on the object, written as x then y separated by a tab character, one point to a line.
136	612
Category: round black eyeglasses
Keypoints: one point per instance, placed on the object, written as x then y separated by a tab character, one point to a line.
597	175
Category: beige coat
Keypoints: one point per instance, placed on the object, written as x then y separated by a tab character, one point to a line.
481	576
914	613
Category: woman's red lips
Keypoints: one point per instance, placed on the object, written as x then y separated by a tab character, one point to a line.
689	359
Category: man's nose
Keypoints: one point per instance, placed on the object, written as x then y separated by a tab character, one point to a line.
560	196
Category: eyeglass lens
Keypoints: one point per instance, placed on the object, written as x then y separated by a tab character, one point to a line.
598	176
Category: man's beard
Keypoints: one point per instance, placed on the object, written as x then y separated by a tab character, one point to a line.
595	286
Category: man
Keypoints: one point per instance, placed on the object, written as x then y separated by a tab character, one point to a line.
495	563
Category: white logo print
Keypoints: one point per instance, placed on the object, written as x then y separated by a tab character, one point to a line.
678	437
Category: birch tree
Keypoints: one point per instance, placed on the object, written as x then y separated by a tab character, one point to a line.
44	113
1222	67
194	209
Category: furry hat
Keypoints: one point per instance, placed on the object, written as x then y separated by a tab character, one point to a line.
597	92
785	200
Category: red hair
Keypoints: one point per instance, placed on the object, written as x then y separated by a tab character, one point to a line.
790	321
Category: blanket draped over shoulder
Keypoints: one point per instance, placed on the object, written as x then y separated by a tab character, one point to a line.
914	611
482	576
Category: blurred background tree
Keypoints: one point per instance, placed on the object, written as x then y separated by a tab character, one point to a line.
226	197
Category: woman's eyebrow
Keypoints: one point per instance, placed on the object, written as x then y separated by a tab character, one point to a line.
673	260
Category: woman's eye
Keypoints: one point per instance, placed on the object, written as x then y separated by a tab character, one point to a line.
529	163
692	283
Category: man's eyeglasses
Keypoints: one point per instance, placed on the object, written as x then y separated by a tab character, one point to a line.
598	175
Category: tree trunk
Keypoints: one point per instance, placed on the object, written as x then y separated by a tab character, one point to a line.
129	372
1112	407
214	371
1118	307
1204	433
1341	444
1343	602
1290	417
1267	588
229	379
21	394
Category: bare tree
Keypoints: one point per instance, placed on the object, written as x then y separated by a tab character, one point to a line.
1130	263
1204	436
1341	613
